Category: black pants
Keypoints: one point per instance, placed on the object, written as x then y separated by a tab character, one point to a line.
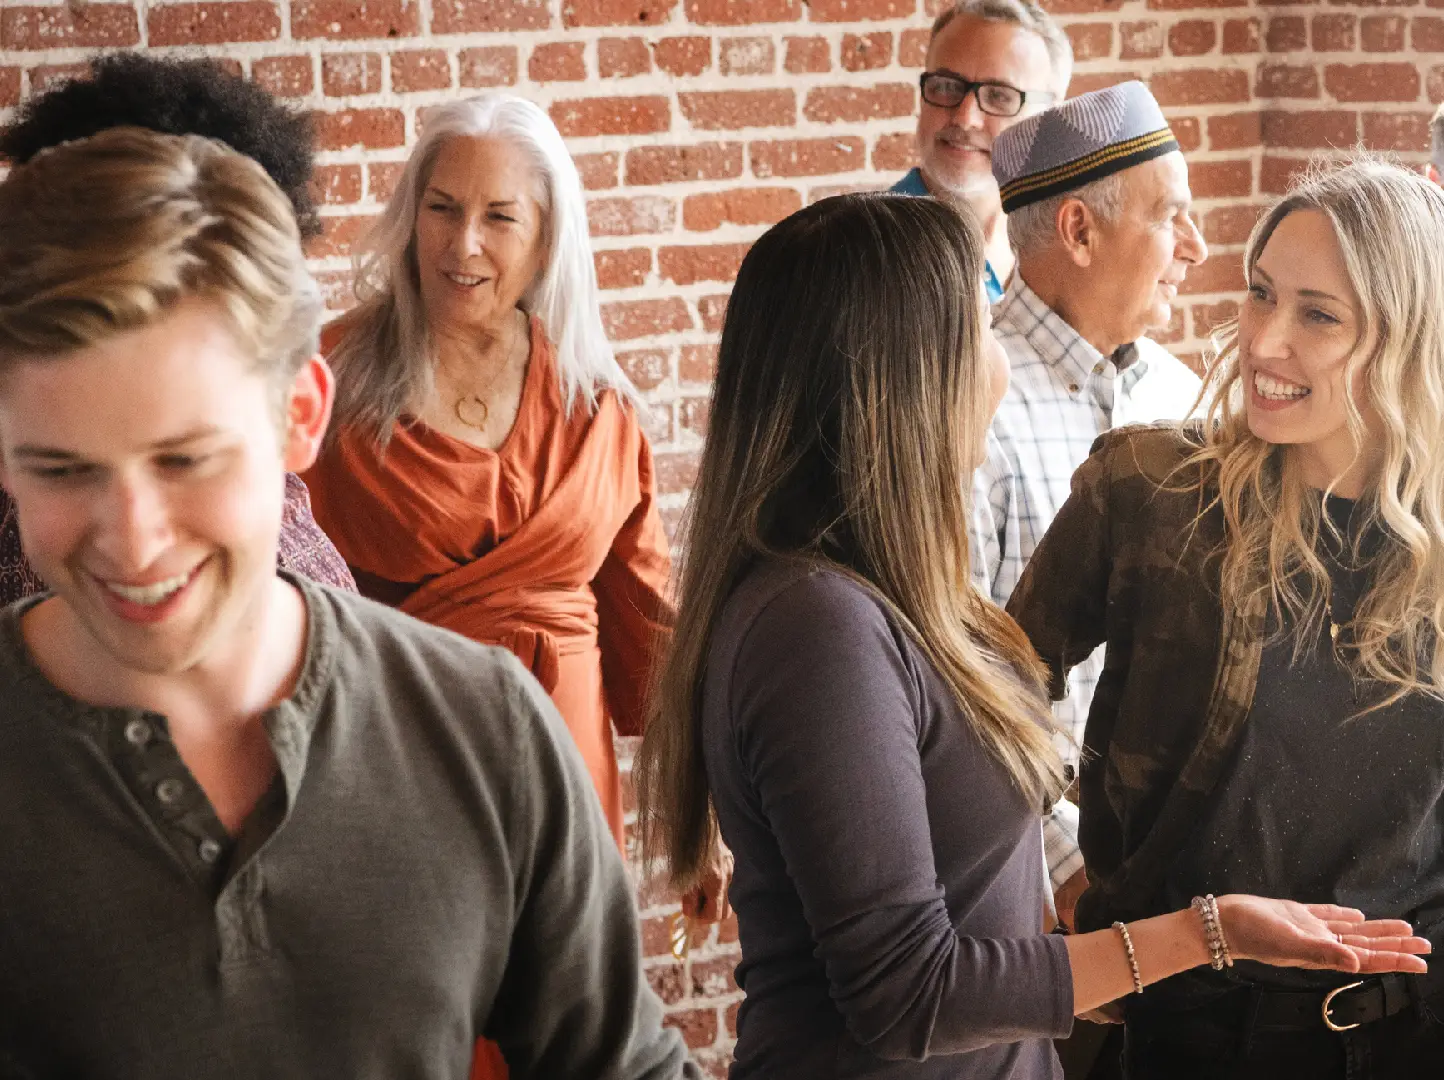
1215	1043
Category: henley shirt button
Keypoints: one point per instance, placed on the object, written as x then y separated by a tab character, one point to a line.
1072	388
210	851
169	790
137	733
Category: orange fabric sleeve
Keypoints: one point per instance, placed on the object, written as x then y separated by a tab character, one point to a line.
634	613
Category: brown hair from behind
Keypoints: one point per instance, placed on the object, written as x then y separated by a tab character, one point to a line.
108	234
849	403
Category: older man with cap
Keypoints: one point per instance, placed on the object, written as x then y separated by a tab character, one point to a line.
1097	198
989	64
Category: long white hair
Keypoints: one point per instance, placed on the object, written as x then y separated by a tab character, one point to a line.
384	362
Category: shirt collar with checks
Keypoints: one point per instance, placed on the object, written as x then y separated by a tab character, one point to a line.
1073	360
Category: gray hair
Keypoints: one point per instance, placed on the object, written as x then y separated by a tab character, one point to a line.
1026	15
385	361
1035	226
1436	139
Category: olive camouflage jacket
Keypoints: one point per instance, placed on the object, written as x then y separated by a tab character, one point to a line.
1131	562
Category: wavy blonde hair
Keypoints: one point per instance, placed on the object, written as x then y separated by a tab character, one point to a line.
850	399
1389	224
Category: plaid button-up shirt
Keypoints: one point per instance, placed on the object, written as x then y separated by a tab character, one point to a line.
1064	393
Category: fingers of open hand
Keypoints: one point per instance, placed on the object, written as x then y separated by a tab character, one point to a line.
1379	961
1376	929
1333	913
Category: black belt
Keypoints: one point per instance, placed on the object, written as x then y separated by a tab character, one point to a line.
1340	1009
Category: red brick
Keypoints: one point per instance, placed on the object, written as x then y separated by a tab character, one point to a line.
687	265
87	26
420	69
1434	86
1209	317
46	76
1056	7
1287	33
628	319
631	216
337	184
893	153
9	87
698	1026
712	309
1335	33
692	414
1288	81
349	20
382	178
374	129
622	269
648	369
557	61
612	116
619	58
746	56
489	65
1173	332
1234	131
860	10
811	54
336	291
1222	272
677	470
1403	132
866	52
1310	130
1200	86
489	16
742	12
1372	82
1277	173
342	236
213	23
616	12
697	364
740	206
1383	33
1220	179
1242	36
683	55
732	1011
1140	40
912	48
598	170
667	982
345	74
729	110
1229	224
1098	80
1188	131
1091	41
679	164
1192	37
806	157
1427	35
1189	5
285	76
856	104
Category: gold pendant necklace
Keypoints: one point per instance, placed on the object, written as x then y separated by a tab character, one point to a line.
470	401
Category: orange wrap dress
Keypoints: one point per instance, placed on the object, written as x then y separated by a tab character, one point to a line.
550	545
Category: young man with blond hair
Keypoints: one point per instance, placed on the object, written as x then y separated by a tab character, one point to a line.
254	826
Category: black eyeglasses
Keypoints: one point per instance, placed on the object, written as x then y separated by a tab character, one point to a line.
994	98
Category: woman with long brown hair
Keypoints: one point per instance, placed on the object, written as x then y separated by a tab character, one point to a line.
871	733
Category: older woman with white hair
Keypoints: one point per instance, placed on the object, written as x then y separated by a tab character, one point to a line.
487	471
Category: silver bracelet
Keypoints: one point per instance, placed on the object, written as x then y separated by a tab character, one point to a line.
1207	908
1132	958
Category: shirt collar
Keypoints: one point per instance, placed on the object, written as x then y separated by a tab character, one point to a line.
1021	311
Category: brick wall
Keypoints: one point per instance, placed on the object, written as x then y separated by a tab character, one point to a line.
698	122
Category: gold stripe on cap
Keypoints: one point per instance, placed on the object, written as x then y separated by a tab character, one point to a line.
1059	173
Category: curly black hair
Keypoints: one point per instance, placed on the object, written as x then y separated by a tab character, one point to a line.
177	97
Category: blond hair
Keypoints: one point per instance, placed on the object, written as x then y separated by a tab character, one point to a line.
849	403
108	234
1389	224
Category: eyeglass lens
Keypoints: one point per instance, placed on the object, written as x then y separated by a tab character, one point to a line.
947	92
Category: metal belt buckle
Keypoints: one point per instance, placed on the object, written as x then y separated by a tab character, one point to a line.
1328	1003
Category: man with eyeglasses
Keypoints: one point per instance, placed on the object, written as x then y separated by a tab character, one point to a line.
989	64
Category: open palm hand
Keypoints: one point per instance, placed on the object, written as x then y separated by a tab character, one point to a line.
1324	936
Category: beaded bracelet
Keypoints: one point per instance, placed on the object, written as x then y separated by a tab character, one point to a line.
1207	908
1132	958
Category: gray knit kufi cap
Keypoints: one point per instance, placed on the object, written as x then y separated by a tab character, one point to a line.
1085	139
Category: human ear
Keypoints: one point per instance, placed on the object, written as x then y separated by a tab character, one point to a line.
1077	231
309	399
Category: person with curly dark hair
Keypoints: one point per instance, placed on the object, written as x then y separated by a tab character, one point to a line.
178	97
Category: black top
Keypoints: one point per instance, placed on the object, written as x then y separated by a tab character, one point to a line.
432	865
889	881
1320	804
